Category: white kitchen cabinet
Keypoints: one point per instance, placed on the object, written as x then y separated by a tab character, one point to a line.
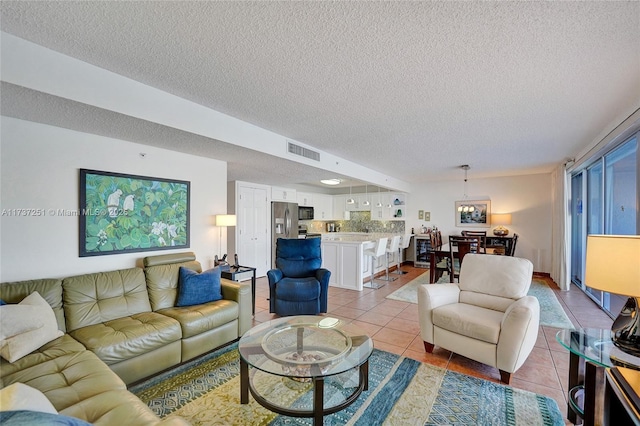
323	207
340	207
360	201
283	194
330	256
344	260
305	198
358	205
383	212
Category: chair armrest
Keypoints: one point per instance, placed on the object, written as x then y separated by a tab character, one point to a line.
323	275
239	292
518	333
274	275
431	296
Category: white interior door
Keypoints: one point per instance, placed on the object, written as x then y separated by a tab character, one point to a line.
252	228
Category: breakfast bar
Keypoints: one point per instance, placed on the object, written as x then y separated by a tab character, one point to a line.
343	254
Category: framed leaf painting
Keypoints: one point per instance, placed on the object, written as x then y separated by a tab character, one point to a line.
122	213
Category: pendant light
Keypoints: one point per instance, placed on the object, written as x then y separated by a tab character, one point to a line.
465	207
379	204
350	200
366	196
389	205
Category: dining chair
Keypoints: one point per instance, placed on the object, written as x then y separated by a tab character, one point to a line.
482	236
441	263
512	249
460	246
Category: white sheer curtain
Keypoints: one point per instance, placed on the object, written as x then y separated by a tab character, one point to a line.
560	229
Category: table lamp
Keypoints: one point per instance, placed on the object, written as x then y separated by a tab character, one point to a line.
613	265
223	221
501	219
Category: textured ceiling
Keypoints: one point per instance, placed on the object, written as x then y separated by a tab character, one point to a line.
409	89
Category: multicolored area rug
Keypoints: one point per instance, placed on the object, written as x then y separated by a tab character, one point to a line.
551	312
401	391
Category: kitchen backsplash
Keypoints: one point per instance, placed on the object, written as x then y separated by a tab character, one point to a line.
359	222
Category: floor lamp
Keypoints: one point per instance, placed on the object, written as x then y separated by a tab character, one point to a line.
224	221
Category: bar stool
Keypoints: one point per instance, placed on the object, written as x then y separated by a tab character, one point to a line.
394	246
404	244
374	253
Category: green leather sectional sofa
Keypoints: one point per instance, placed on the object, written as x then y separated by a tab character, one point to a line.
121	326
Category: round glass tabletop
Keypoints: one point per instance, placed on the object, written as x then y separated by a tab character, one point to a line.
595	345
305	346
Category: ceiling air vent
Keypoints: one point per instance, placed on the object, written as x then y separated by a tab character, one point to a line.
303	152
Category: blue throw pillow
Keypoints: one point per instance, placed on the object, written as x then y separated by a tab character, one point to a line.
196	289
23	417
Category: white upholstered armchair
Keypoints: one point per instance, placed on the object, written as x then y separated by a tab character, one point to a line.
487	316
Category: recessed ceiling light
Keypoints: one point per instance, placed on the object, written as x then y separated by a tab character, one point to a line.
331	181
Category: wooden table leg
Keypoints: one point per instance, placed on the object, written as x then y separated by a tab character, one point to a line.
364	368
244	382
432	267
574	380
318	401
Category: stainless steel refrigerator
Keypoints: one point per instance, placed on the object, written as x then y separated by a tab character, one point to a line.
284	224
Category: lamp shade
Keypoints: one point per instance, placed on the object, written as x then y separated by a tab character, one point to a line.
613	264
225	220
501	219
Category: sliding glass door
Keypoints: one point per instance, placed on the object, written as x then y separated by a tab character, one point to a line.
621	198
595	208
609	184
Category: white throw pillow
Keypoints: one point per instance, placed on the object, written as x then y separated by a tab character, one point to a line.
14	347
19	396
29	319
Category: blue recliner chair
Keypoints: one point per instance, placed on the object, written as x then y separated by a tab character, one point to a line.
298	285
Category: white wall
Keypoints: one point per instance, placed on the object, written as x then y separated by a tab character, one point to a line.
527	198
40	169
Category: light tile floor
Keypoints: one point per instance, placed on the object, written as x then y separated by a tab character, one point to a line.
394	327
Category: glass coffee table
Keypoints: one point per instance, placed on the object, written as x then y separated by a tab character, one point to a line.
304	366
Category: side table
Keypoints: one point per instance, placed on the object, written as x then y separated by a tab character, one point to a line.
622	397
591	352
238	274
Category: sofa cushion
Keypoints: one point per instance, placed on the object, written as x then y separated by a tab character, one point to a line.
68	379
33	310
115	407
198	319
162	278
19	396
124	338
97	298
49	289
469	320
197	288
61	346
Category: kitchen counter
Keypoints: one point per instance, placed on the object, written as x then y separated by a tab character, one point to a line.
343	255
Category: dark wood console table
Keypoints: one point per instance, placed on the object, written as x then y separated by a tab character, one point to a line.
495	242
